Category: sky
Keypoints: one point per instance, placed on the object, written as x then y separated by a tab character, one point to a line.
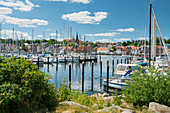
98	20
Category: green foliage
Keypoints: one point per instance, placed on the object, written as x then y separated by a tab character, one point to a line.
24	88
124	44
65	94
149	87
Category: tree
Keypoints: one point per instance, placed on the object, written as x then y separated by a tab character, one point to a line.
113	48
152	86
24	88
124	44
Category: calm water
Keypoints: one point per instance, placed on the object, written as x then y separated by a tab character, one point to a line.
62	70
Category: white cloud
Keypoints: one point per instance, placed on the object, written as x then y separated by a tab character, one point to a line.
103	40
54	34
82	1
102	34
23	22
58	0
9	34
84	17
19	5
122	39
126	30
142	38
39	36
5	11
73	1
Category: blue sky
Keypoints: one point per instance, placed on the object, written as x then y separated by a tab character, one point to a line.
99	20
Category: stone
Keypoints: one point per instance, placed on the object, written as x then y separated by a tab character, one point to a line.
112	100
125	105
75	104
67	112
123	101
105	95
158	108
95	106
107	98
127	112
144	107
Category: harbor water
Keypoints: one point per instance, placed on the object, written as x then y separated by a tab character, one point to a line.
60	71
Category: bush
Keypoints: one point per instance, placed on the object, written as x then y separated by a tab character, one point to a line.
149	87
24	88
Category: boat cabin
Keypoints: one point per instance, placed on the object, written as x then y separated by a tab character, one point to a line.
123	68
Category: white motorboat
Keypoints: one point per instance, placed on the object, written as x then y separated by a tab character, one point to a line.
123	68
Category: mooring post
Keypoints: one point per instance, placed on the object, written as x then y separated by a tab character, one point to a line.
48	60
57	60
92	76
107	85
117	61
128	60
121	61
113	68
83	76
125	60
65	59
70	76
72	58
38	62
100	74
100	57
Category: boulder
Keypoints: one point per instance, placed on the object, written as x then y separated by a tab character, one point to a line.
125	105
107	98
105	95
95	106
157	108
127	111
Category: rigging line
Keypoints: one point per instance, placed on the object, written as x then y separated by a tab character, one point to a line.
161	35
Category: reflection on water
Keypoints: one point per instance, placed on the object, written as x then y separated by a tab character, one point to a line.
59	71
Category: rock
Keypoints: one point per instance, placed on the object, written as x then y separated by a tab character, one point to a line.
127	112
144	107
123	101
67	112
112	100
74	104
107	98
157	108
95	106
125	105
105	95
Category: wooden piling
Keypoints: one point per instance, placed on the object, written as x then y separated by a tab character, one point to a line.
117	61
121	61
92	76
107	85
113	68
125	60
70	76
48	60
100	74
128	60
65	59
38	62
57	60
83	76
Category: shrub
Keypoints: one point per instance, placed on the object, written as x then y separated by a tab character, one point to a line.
24	88
148	87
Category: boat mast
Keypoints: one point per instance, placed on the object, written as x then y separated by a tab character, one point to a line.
32	42
154	37
150	35
145	45
56	42
13	41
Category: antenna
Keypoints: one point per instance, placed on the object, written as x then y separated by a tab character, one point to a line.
32	40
